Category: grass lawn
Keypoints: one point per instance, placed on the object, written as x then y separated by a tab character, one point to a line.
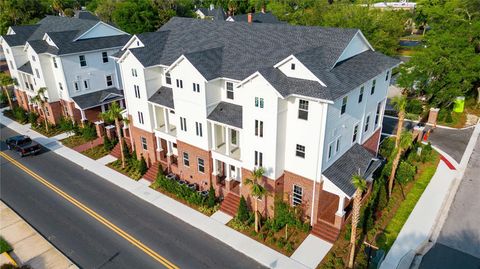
4	246
73	141
388	222
52	130
275	240
129	171
96	152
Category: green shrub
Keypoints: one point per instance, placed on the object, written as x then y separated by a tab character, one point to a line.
180	191
142	165
387	146
109	144
405	173
211	196
160	170
427	153
284	214
238	225
280	242
4	246
66	124
414	106
242	212
19	114
126	151
289	247
32	117
449	118
88	131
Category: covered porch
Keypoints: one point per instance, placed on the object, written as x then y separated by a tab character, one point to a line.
87	107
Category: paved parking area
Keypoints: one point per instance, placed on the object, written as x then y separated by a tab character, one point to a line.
453	142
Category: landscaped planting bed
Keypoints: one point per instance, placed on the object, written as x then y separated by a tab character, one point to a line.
74	140
96	152
382	218
129	170
52	129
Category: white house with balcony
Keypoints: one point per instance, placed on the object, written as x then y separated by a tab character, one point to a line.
212	100
71	57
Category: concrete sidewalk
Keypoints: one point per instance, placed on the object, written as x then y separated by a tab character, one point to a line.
29	247
244	244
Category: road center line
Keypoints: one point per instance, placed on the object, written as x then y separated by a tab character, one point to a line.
93	214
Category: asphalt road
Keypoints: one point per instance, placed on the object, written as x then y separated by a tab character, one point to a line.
89	243
458	245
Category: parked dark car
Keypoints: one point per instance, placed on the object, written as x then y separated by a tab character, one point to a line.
23	144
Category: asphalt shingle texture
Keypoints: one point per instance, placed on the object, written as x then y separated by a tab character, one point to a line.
164	97
227	113
26	68
98	98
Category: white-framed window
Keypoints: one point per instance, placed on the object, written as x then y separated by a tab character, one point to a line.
297	195
47	112
37	73
136	88
388	74
259	102
377	115
360	96
105	57
144	142
183	124
259	128
344	105
109	79
372	91
201	165
76	86
140	117
196	87
83	60
355	133
258	159
134	72
60	86
230	93
54	60
300	151
180	83
330	150
303	109
33	58
234	137
367	122
168	78
198	128
86	84
292	66
337	144
186	159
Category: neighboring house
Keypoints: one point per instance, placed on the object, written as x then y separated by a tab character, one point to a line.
211	13
71	58
305	103
258	17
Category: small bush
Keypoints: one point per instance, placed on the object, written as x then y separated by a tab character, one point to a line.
414	106
109	144
142	165
160	171
180	191
238	225
19	114
66	124
405	173
449	118
280	243
126	151
289	247
284	214
88	131
242	212
32	117
4	246
211	196
387	146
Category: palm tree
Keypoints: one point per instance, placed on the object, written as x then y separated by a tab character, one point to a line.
114	113
360	185
5	81
257	190
405	140
40	99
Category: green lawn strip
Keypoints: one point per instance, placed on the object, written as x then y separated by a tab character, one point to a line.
73	141
396	223
4	246
129	171
52	130
96	152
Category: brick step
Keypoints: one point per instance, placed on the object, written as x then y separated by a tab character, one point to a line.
152	172
230	204
116	152
325	231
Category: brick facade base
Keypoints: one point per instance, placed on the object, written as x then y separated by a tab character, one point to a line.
150	153
190	172
291	179
372	143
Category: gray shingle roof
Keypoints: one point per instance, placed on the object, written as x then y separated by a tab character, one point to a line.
216	13
26	68
257	17
98	98
356	160
227	113
237	50
164	97
62	31
86	15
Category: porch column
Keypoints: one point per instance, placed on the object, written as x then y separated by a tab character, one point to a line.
214	142
169	148
155	124
238	174
166	120
159	146
103	107
215	167
227	140
341	204
84	118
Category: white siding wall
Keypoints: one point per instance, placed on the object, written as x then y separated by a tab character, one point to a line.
300	70
357	45
101	30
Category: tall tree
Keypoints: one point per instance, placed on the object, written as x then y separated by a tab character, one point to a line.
5	81
360	185
114	113
258	191
41	100
404	143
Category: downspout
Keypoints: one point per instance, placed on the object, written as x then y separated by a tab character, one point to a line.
319	157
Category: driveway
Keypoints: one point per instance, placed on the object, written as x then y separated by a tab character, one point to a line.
458	245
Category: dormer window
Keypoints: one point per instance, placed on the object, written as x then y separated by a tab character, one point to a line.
134	72
230	94
83	61
168	78
104	57
292	66
54	62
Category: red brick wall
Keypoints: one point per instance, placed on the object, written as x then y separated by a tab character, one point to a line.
372	143
73	112
274	189
191	173
22	99
307	195
92	114
149	154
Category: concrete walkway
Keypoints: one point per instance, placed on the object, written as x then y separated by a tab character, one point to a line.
312	251
29	247
244	244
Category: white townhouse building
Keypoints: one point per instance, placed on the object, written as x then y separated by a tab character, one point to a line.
71	58
212	100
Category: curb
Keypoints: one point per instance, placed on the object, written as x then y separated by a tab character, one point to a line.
429	124
12	261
